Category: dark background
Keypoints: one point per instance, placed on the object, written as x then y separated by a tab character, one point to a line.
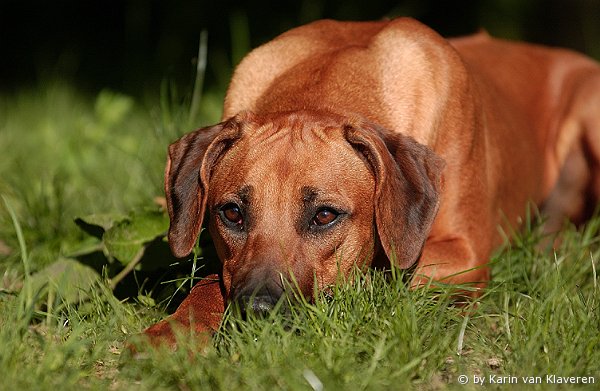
133	45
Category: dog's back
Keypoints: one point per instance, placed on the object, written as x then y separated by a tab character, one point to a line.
387	72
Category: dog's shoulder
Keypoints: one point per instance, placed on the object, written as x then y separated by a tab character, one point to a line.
381	48
256	72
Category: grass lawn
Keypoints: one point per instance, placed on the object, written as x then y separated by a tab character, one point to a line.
62	325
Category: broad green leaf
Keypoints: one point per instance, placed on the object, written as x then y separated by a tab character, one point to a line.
68	280
127	239
87	245
97	224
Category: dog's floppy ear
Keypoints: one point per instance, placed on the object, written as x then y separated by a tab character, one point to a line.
190	161
407	184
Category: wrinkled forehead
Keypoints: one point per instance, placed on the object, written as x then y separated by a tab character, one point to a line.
291	158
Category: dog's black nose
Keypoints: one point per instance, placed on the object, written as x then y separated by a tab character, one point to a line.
263	304
259	303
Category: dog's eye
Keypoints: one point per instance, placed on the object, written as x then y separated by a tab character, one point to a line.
232	214
324	216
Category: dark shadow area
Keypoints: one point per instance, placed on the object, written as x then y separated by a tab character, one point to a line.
132	45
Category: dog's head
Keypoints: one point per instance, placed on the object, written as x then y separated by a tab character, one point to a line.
300	195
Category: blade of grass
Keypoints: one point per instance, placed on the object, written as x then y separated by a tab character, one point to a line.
595	280
23	247
461	335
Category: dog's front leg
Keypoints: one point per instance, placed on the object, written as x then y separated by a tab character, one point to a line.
451	259
200	314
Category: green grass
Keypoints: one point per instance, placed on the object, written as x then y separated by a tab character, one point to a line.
66	155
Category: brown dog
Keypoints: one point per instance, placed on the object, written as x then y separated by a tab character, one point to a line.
363	143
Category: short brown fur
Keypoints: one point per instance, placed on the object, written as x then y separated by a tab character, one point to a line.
425	145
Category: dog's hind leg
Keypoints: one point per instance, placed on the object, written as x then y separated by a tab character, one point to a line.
577	191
